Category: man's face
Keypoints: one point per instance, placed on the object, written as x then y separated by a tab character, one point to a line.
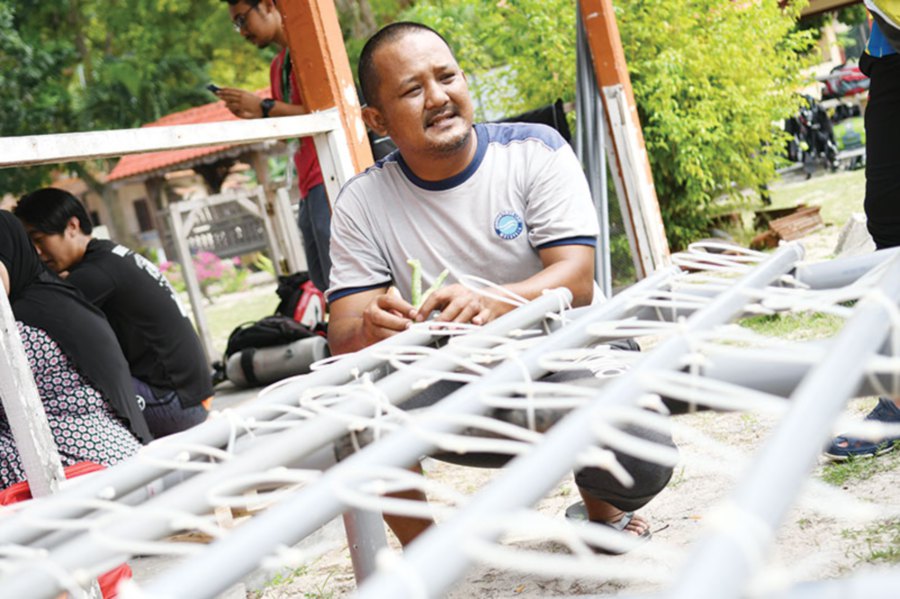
59	251
423	97
255	22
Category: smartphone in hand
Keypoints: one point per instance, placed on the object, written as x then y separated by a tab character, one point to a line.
213	88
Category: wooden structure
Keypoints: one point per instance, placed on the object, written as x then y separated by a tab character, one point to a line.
626	152
322	68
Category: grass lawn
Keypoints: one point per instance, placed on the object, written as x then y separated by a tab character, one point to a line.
839	194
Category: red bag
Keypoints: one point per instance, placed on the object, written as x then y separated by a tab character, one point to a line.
109	581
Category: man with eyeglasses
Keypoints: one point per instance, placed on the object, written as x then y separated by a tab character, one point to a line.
260	22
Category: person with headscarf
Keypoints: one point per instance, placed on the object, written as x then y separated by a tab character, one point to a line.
78	366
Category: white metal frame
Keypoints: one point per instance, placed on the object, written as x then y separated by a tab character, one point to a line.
17	388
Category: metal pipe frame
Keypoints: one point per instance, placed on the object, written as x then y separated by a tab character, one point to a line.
440	566
269	452
722	563
319	503
437	557
135	473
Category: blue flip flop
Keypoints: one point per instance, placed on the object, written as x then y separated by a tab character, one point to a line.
843	447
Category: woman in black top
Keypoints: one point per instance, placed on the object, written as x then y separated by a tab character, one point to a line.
79	369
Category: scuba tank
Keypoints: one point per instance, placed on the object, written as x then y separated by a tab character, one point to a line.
253	367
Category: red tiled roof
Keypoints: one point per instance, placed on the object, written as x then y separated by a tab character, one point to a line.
138	164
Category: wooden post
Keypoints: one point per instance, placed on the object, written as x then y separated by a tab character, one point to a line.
24	410
323	74
626	150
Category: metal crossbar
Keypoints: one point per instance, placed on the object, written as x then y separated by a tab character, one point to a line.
285	440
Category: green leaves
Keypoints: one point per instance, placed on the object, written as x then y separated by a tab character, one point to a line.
710	78
528	44
83	65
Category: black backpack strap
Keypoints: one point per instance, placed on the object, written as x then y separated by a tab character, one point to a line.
247	366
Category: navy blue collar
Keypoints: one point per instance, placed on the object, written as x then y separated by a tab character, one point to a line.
482	143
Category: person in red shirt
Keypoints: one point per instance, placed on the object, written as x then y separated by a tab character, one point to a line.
260	22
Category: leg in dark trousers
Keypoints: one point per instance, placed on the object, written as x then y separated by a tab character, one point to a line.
605	498
314	221
882	120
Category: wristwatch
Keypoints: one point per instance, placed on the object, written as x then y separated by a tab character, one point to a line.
266	106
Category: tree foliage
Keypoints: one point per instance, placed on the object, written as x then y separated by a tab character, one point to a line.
83	65
520	52
710	78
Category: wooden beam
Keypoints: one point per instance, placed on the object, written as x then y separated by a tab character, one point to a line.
626	151
322	69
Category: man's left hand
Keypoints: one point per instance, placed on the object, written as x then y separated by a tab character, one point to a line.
242	104
458	303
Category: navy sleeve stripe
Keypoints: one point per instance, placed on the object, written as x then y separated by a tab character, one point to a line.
353	290
507	133
591	241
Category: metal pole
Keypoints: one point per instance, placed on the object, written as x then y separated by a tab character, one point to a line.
24	409
722	564
590	147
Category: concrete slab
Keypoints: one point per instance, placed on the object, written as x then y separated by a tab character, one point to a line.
854	239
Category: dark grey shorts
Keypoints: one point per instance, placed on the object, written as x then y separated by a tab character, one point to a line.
649	478
164	412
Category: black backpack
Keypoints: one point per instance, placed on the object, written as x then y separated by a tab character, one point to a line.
266	332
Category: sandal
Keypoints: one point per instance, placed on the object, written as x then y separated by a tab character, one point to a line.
843	447
578	513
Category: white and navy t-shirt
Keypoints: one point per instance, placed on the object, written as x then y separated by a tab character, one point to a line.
524	191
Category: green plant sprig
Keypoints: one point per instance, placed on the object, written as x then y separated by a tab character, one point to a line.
418	298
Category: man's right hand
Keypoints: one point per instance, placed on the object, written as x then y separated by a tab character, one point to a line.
386	315
359	320
242	104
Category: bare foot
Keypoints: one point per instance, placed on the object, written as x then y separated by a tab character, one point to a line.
636	526
602	511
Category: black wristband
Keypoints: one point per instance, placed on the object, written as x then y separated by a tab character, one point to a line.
267	106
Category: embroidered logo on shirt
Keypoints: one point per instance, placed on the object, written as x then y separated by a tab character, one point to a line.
508	225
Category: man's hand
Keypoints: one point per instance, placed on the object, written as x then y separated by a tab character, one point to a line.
385	316
242	104
359	320
458	303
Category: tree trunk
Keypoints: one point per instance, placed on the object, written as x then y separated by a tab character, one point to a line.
360	16
76	26
118	228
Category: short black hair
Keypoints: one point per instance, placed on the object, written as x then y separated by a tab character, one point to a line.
250	3
365	70
49	210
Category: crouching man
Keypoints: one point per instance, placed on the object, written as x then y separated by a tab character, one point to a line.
508	203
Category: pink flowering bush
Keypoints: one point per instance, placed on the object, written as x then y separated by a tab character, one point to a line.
227	275
172	272
209	267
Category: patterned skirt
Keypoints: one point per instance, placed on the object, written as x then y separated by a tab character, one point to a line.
84	426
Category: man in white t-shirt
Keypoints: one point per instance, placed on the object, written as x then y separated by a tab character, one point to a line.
508	203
